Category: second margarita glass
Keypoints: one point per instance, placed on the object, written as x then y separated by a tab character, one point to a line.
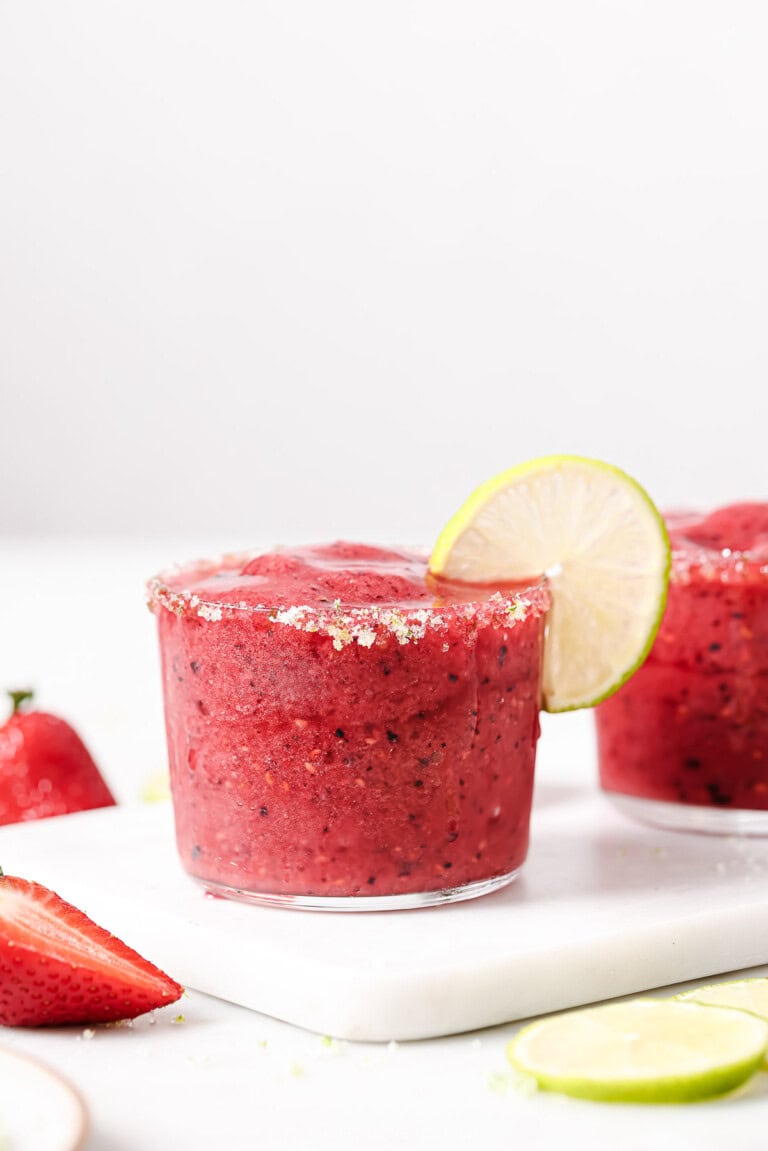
684	744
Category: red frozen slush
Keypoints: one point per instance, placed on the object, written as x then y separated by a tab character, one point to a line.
338	726
691	725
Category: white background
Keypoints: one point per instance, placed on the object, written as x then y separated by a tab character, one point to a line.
276	271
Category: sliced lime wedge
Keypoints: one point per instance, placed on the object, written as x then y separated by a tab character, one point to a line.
597	536
642	1051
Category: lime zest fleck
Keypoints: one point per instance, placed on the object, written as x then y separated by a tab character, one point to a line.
501	1082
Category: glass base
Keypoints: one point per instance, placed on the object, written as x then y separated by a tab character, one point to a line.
690	817
363	902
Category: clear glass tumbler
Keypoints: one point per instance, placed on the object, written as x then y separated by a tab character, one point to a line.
370	750
684	744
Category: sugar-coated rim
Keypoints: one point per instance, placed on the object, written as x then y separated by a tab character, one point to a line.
344	624
692	560
727	565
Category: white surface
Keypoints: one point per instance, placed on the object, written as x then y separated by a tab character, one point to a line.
602	908
305	269
72	620
39	1111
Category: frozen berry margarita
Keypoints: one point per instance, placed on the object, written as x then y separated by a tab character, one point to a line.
345	733
690	729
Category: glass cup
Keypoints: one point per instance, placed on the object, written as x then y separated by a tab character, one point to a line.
348	755
684	743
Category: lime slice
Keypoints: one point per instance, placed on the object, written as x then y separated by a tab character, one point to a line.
599	539
746	994
642	1051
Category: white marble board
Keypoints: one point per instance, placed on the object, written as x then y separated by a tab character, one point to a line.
603	907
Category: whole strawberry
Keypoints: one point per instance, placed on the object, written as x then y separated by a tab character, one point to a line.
45	768
58	966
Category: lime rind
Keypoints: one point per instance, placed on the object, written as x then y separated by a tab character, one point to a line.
668	1090
542	516
622	1037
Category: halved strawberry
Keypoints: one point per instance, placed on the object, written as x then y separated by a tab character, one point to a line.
58	966
45	768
